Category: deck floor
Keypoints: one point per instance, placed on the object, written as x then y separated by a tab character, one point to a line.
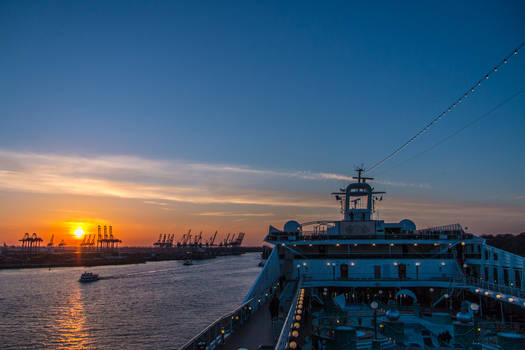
257	331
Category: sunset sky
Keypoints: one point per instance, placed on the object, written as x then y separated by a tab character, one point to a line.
168	115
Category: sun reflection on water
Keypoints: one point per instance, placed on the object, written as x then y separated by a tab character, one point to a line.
70	323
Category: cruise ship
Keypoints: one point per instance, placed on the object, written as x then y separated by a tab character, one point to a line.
363	283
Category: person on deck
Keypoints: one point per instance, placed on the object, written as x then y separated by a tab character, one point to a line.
274	307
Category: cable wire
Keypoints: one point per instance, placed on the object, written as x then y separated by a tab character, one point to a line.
470	123
449	108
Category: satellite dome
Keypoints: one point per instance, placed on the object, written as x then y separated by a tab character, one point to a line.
292	226
408	225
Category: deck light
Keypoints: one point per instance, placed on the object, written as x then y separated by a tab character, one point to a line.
266	294
373	244
415	244
431	290
259	300
298	266
446	296
237	317
418	263
352	263
310	244
463	243
296	325
511	300
355	244
477	290
222	331
298	317
443	263
299	312
487	293
328	264
304	263
295	334
395	263
498	296
391	244
292	345
474	307
436	244
374	305
337	245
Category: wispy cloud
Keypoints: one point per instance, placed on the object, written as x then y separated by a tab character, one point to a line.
150	180
225	214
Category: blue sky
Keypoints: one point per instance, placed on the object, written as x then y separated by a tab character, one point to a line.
275	86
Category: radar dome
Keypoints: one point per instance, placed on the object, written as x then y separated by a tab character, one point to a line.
292	226
408	225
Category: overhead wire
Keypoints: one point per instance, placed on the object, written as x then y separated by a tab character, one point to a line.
467	125
468	92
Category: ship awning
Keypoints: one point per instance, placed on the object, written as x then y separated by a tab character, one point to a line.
407	292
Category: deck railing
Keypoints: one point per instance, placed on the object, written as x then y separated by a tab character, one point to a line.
314	236
287	326
268	276
370	277
513	291
217	332
372	255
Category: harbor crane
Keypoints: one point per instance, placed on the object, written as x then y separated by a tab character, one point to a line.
50	244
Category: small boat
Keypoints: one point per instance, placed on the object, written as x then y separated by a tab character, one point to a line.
88	277
187	262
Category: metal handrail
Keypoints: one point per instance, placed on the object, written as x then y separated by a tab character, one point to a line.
216	332
514	291
283	336
323	236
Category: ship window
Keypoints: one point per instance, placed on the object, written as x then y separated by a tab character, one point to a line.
495	275
486	273
344	271
495	256
377	272
517	278
506	277
486	255
402	271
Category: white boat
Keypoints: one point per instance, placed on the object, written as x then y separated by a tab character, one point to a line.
88	277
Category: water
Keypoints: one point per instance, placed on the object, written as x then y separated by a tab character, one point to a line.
158	305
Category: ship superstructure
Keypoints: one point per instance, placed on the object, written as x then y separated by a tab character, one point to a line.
376	284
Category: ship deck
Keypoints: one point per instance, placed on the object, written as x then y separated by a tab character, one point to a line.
256	332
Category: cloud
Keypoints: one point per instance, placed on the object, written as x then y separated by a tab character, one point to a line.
154	181
222	213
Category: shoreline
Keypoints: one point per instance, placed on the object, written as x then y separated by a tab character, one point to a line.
15	258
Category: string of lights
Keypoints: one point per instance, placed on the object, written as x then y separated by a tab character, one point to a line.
449	108
467	125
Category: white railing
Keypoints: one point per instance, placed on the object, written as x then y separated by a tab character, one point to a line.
268	277
283	337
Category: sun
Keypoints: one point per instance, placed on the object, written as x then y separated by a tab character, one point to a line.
79	232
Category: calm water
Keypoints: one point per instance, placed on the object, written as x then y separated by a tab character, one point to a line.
158	305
